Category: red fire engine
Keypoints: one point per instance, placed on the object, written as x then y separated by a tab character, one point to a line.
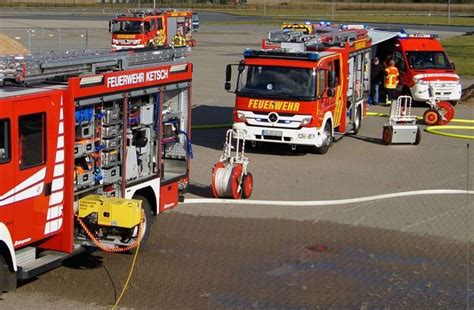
422	64
145	28
302	89
87	141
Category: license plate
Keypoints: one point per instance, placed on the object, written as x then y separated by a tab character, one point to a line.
274	133
443	98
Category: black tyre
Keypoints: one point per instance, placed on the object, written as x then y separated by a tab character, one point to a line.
327	140
357	121
8	280
148	220
418	137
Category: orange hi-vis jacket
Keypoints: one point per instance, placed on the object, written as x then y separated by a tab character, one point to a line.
391	77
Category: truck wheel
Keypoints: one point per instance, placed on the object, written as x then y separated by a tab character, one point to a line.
247	185
431	117
327	140
8	278
387	135
357	121
148	219
418	137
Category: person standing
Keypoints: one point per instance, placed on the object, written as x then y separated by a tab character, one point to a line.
376	79
391	81
178	39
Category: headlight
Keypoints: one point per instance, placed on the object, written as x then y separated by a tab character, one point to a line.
421	82
305	121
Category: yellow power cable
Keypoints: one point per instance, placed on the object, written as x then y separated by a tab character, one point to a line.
437	130
132	268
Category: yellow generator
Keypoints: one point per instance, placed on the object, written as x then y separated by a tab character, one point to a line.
110	219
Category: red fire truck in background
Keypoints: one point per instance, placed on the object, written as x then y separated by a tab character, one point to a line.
140	28
422	63
302	89
81	157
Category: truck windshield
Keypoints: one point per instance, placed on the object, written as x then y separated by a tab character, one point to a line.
126	26
265	81
428	60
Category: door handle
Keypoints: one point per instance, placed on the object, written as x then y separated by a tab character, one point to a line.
47	189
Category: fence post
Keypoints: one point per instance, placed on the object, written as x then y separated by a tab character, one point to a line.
29	40
87	38
59	39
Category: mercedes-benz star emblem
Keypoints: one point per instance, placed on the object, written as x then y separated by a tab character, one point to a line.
273	117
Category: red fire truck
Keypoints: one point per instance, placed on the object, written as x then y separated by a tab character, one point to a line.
87	141
141	28
302	89
422	63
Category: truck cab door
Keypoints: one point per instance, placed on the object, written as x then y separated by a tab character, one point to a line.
35	134
402	68
6	166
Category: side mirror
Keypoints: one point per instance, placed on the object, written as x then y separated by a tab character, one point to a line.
331	92
110	26
332	79
228	73
453	66
227	86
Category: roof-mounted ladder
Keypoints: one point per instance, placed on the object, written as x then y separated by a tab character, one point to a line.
37	68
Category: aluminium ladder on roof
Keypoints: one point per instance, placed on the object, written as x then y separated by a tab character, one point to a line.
335	37
36	68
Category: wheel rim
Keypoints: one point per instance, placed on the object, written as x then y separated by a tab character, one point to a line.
248	185
326	136
386	135
446	112
431	117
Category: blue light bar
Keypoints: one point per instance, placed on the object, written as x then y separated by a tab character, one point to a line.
282	54
248	53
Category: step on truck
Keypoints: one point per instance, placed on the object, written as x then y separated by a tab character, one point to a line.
92	145
302	89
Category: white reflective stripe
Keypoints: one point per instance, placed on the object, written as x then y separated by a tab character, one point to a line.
60	144
55	212
58	184
35	178
59	156
30	192
61	128
56	198
58	170
53	226
6	237
61	114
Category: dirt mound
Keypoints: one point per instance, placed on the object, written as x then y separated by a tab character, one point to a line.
468	94
10	46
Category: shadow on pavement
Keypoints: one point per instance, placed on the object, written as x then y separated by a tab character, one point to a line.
368	139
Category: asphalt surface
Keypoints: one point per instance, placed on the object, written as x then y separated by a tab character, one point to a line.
411	252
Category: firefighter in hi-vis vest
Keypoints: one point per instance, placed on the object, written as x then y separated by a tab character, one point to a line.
391	82
159	39
179	40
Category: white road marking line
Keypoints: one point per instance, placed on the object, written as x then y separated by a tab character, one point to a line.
327	202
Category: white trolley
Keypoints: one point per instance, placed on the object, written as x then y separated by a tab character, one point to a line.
401	126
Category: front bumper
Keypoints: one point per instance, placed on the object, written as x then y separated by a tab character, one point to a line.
303	136
442	91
